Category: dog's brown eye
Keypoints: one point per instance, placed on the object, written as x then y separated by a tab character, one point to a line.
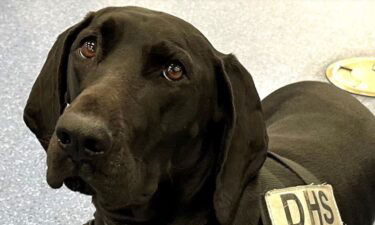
88	49
174	71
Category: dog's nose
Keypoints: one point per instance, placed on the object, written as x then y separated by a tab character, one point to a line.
82	137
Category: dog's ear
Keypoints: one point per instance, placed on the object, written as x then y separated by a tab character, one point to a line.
47	98
244	137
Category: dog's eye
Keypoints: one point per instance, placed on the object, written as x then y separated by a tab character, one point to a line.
174	71
88	49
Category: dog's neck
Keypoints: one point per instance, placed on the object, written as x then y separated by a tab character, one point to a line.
185	201
167	207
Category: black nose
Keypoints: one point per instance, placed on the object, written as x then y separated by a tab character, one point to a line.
83	137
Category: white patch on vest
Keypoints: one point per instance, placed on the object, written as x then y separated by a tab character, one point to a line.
303	205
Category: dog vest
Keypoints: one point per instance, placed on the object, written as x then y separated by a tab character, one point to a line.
310	204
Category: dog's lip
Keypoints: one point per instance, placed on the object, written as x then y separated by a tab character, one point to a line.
74	183
54	183
77	184
71	175
53	180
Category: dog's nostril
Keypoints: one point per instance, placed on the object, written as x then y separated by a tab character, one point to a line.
92	147
82	137
64	137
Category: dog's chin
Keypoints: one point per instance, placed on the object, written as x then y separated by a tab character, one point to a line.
78	185
73	183
125	214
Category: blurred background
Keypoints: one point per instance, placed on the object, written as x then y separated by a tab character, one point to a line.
279	42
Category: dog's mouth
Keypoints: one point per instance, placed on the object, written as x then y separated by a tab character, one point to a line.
78	185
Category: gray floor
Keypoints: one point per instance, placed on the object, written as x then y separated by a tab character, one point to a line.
280	42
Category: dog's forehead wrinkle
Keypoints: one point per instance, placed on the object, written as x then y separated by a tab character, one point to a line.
152	23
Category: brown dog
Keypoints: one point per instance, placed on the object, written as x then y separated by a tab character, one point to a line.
136	108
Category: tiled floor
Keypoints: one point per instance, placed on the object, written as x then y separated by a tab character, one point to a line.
280	42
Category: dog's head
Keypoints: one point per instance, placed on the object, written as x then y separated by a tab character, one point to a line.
132	101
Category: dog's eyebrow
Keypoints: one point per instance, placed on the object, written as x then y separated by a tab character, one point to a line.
108	26
164	48
108	33
167	50
163	52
